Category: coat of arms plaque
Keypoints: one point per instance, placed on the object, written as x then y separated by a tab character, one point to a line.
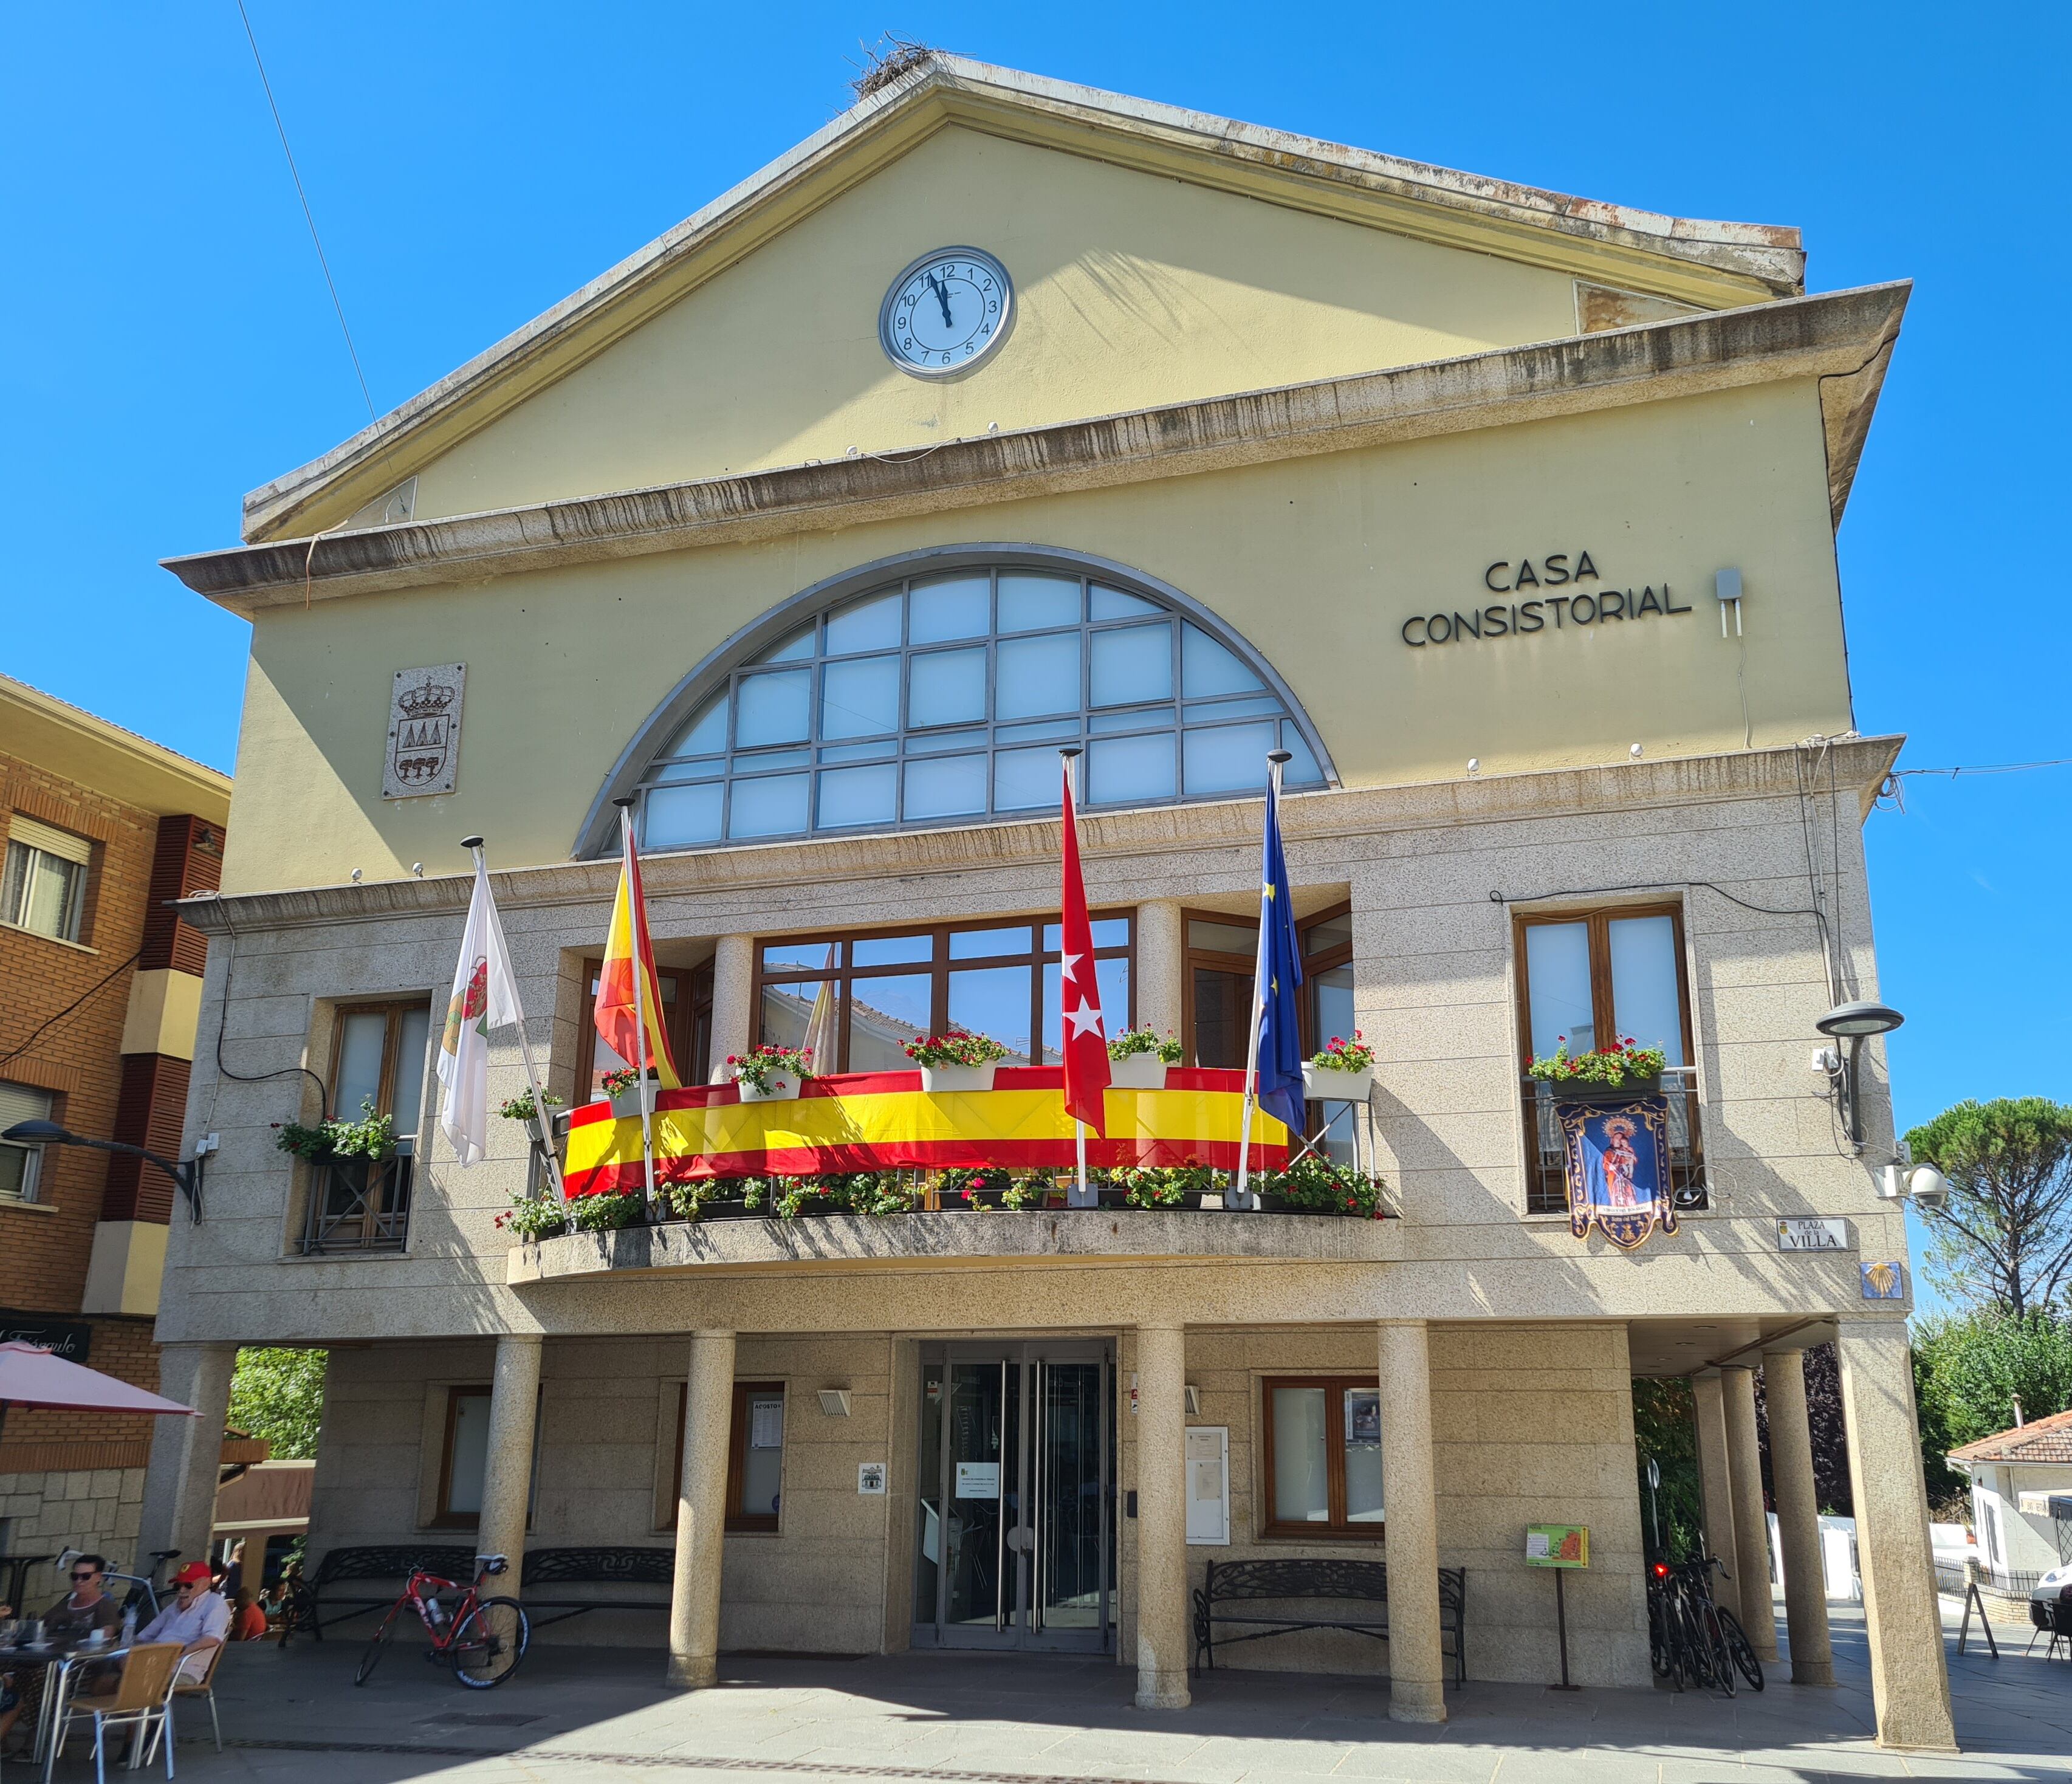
424	731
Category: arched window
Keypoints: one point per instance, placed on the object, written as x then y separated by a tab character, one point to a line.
931	694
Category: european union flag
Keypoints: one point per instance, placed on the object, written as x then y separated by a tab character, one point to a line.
1280	1080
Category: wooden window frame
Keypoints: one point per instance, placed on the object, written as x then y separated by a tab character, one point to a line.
1337	1528
385	1094
445	1517
939	966
737	1522
1215	961
1603	1015
688	1024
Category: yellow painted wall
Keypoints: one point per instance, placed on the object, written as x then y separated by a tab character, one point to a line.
1317	561
1132	291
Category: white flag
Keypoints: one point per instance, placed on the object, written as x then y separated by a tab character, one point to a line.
484	994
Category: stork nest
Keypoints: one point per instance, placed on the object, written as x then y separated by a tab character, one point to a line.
895	56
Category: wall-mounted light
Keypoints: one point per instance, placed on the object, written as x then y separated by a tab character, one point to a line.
1727	586
834	1402
1855	1023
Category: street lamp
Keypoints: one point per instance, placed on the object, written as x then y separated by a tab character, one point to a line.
187	1177
1853	1022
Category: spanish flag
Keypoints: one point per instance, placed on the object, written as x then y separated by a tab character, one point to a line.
627	950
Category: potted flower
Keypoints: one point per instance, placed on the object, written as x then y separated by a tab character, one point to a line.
1623	1070
532	1218
1137	1059
521	1107
1343	1072
770	1074
956	1060
630	1100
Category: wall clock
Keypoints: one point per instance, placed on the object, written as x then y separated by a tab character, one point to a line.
947	313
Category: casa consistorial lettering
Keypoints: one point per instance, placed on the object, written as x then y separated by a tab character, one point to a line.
1542	611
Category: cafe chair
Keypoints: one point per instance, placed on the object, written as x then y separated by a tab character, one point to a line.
183	1686
140	1700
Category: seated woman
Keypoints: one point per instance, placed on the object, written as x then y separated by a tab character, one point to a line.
88	1606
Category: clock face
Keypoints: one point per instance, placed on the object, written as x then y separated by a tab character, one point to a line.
946	313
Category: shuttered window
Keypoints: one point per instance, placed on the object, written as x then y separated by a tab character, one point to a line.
44	887
20	1166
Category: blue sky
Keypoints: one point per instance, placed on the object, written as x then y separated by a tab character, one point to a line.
173	344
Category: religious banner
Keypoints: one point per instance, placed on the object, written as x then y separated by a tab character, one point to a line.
1616	1159
864	1121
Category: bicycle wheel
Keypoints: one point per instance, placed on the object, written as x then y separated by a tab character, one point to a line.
1658	1636
488	1643
1740	1651
1692	1650
376	1643
1716	1645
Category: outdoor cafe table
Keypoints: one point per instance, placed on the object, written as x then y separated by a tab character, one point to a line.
62	1663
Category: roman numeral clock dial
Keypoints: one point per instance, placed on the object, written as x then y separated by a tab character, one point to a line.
947	313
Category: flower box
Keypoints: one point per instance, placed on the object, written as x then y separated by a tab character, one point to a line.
781	1087
1139	1071
1576	1090
1320	1084
942	1080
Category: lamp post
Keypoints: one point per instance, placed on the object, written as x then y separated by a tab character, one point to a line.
1855	1022
186	1177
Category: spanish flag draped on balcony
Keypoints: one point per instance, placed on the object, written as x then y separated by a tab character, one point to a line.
628	996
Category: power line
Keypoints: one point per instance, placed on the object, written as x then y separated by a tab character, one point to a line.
1987	768
308	216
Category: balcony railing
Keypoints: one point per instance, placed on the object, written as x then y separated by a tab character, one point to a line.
359	1205
1547	1189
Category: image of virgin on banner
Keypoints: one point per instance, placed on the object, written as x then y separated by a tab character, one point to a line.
1617	1162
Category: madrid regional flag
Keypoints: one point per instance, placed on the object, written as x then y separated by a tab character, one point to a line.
1082	1039
484	995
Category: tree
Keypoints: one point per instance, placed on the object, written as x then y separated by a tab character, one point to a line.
2007	1233
1665	1429
279	1394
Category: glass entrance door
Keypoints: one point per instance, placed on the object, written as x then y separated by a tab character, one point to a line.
1016	1544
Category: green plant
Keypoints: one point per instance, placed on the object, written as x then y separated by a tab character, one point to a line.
1029	1190
533	1219
756	1068
955	1047
1133	1042
279	1394
970	1186
791	1199
619	1082
754	1194
870	1192
1165	1186
1612	1067
606	1212
521	1107
1314	1181
689	1201
2006	1233
372	1137
1341	1055
1970	1369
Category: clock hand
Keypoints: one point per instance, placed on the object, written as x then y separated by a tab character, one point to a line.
943	297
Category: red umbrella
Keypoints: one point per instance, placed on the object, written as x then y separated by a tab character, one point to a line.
32	1376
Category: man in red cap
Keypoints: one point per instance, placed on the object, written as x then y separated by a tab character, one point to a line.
197	1619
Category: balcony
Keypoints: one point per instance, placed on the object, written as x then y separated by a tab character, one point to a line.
1546	1188
358	1205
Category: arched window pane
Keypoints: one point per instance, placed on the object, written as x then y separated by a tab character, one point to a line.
946	697
1132	664
1038	676
774	707
859	698
1206	669
946	687
955	607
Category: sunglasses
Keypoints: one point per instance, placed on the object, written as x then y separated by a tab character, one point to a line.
77	1577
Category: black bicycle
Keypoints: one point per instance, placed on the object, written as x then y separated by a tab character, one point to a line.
1693	1640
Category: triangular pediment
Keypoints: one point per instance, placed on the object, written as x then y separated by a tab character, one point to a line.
1157	256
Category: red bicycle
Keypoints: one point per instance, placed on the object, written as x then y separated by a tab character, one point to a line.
482	1639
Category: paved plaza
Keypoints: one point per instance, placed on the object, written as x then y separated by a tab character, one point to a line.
593	1716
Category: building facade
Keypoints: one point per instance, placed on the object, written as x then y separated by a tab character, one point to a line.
1002	416
101	986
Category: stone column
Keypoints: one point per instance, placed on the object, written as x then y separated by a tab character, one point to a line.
187	1454
1716	1487
1902	1617
733	1021
507	1467
1160	962
1416	1665
701	1512
1758	1611
1162	1622
1797	1518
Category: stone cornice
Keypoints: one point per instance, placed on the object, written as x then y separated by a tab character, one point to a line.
1841	338
1308	819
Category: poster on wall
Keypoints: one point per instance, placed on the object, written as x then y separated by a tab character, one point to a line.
1615	1160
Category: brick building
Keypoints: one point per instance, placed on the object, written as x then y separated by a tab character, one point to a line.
100	985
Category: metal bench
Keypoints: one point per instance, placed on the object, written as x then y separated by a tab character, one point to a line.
544	1567
1321	1583
395	1562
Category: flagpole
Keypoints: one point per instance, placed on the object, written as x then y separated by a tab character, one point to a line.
1240	1196
635	912
546	1120
1084	1198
